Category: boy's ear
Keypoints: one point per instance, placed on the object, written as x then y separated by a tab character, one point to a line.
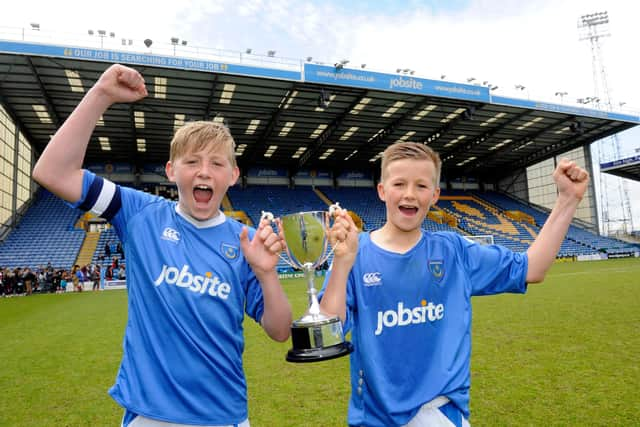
168	169
235	174
380	188
436	196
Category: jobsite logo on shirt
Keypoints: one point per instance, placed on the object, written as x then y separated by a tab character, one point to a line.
425	312
183	278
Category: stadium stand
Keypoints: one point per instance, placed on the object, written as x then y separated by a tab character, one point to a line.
279	200
578	241
46	233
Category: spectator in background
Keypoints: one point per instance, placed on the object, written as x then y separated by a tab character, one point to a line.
119	250
76	274
19	281
11	282
56	277
107	250
2	289
41	280
95	277
28	278
65	279
48	280
8	280
108	274
122	275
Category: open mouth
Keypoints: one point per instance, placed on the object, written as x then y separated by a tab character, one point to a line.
408	210
202	193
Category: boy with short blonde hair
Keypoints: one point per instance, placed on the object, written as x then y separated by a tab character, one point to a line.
192	273
198	135
405	293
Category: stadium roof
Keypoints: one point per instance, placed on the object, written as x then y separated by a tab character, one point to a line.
625	168
326	117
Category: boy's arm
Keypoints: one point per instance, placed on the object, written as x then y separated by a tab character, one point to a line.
344	239
262	255
572	183
59	168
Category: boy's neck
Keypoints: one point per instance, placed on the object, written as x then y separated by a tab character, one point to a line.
395	240
215	220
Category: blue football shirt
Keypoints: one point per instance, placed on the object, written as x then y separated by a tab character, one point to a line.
410	321
189	287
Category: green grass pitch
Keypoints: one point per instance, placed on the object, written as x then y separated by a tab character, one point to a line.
565	354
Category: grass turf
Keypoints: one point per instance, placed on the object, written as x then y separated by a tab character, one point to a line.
567	353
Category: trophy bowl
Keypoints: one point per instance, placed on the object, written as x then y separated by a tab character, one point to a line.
315	336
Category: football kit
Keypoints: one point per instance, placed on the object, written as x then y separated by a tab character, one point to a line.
189	287
410	321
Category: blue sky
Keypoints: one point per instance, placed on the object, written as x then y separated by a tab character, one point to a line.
534	43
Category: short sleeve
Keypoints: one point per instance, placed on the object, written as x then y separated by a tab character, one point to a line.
493	269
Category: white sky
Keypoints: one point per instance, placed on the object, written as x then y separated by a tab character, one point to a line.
534	43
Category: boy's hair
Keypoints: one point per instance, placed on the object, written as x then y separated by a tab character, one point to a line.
413	151
198	135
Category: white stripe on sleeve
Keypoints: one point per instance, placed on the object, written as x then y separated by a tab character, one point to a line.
105	197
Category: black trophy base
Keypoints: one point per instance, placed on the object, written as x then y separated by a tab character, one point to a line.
319	354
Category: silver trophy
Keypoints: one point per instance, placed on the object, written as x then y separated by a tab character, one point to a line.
315	336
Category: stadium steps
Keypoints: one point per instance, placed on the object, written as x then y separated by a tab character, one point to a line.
322	196
226	203
88	248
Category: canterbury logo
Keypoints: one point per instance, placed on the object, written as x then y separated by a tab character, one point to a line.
372	279
171	235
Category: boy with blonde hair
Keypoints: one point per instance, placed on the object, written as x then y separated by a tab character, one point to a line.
405	293
192	273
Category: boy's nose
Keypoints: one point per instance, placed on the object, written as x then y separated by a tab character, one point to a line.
410	192
205	170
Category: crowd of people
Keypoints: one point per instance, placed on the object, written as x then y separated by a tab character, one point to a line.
25	281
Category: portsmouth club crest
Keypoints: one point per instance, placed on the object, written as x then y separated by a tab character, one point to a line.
229	251
436	268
